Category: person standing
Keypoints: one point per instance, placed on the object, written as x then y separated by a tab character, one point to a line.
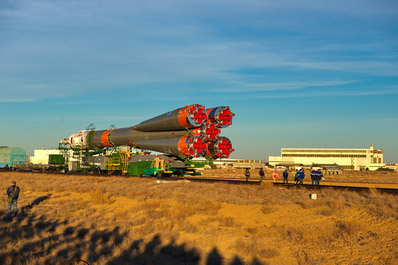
274	175
285	176
301	176
296	178
261	173
247	174
313	177
319	176
13	194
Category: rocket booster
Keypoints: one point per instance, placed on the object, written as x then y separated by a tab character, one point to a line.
184	118
191	131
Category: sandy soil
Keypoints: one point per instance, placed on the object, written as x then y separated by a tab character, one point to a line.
116	220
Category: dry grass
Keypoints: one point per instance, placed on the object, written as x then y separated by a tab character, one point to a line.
116	220
348	227
255	247
346	176
227	221
99	197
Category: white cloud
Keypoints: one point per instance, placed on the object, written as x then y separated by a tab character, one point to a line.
59	48
262	87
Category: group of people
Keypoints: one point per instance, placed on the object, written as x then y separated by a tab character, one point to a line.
316	176
260	172
299	176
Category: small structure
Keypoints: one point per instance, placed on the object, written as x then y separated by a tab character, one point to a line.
253	164
224	162
289	166
11	156
328	168
390	167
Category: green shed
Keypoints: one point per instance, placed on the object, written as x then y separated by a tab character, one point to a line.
11	156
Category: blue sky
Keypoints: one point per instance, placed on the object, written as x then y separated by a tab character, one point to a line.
296	73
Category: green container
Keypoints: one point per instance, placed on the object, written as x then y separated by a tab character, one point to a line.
152	172
56	159
137	168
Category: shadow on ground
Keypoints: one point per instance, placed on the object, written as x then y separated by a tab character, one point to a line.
32	239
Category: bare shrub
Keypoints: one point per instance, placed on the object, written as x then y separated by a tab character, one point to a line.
267	185
180	212
267	209
349	227
331	207
240	244
139	221
147	228
327	211
150	205
188	227
382	206
379	211
100	197
373	192
305	204
120	216
292	234
227	221
208	207
252	230
304	258
88	211
254	246
268	253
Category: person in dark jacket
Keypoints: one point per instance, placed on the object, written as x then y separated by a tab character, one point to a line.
13	194
319	176
301	176
247	174
285	176
261	173
313	177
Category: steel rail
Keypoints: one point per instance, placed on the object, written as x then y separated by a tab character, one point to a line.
306	186
242	182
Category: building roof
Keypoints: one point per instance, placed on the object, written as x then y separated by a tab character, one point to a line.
12	150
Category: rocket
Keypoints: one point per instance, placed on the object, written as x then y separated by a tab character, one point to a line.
190	131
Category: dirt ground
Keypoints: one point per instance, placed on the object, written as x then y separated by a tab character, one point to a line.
66	219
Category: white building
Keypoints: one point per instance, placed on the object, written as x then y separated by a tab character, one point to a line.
354	159
40	156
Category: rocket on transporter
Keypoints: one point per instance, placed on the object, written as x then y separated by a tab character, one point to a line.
190	131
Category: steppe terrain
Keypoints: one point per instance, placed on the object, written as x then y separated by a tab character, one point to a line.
358	178
69	219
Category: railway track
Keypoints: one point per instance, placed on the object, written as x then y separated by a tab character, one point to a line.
228	181
251	182
294	186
